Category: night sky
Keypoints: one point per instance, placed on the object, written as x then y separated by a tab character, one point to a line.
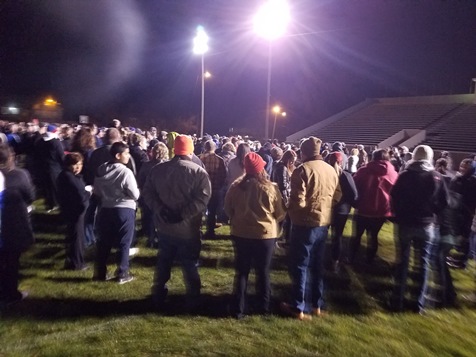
125	58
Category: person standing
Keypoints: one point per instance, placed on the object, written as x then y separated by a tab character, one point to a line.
216	169
17	233
418	197
73	200
314	191
255	207
374	182
341	209
50	152
116	188
178	191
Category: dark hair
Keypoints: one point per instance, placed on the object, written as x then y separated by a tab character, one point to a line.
72	159
441	165
241	152
83	141
289	157
112	136
7	156
118	148
380	154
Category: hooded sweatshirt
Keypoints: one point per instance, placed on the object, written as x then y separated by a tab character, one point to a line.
374	182
419	195
116	186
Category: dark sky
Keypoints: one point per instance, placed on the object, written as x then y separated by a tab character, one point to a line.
130	58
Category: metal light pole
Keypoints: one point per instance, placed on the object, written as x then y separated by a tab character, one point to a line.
277	111
200	47
270	22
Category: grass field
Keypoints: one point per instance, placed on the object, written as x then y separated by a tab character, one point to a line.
67	314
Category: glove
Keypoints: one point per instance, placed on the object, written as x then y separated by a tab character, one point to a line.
170	216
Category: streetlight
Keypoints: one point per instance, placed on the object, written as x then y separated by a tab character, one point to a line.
277	111
200	46
271	22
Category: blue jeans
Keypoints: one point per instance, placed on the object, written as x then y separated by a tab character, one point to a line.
437	273
187	251
306	266
421	238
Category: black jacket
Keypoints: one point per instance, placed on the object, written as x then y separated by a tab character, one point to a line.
419	195
349	193
72	197
17	233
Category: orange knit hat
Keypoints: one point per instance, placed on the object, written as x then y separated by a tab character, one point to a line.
183	145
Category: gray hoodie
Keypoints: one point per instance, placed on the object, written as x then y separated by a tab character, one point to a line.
116	186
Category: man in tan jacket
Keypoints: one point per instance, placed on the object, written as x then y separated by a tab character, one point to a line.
314	190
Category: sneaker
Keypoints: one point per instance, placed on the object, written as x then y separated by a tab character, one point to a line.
133	251
293	312
125	279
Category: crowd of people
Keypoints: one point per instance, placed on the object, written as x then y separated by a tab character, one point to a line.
272	194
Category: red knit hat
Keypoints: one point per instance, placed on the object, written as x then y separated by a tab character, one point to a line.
183	145
254	164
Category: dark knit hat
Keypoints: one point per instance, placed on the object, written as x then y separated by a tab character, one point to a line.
183	145
254	164
337	146
311	146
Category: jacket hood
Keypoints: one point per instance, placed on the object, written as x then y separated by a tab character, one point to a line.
110	170
379	167
420	165
50	136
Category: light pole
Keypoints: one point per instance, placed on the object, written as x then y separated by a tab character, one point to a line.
200	47
270	22
277	111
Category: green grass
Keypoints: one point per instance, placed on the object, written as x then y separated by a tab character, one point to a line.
67	314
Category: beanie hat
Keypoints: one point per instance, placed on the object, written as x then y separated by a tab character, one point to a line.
51	128
311	146
254	163
423	153
337	146
183	145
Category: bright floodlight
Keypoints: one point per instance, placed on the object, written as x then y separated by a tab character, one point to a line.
276	109
200	42
272	19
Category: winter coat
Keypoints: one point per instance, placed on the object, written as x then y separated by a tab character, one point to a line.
349	194
419	195
182	187
72	196
315	190
282	177
374	182
19	193
255	209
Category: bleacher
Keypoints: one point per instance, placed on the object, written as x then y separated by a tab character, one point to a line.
449	122
455	132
